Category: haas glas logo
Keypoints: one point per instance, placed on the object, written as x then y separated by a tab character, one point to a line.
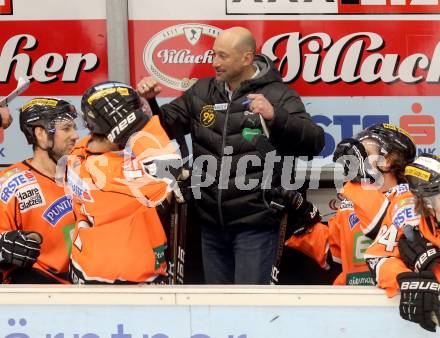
5	7
177	50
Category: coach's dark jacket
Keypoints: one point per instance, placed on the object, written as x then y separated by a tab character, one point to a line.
215	122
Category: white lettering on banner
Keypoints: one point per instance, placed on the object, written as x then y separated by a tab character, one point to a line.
184	56
349	59
193	33
46	67
2	2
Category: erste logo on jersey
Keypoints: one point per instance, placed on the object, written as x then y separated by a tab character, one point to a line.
59	208
283	7
404	213
175	51
15	182
79	187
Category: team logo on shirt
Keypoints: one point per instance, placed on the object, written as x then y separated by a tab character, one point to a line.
15	182
29	197
207	116
61	207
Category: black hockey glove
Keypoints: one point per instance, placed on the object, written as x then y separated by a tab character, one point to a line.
302	214
419	302
20	248
352	155
417	253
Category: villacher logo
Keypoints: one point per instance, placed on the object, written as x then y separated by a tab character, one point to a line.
5	7
185	46
289	7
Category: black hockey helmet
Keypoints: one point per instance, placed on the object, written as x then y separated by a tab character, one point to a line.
390	138
105	104
423	175
44	112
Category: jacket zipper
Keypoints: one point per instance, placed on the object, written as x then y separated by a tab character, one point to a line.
219	199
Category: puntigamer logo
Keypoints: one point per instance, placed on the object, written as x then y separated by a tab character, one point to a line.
288	7
171	54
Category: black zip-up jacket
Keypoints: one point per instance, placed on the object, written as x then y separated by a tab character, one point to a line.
217	123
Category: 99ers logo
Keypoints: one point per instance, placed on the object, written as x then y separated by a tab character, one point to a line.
207	116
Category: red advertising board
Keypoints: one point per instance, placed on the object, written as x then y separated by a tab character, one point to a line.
5	7
59	57
318	58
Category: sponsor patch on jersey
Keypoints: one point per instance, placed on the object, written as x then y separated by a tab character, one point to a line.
346	205
159	254
8	174
353	220
207	116
402	188
29	197
59	208
15	182
404	213
359	278
221	106
79	187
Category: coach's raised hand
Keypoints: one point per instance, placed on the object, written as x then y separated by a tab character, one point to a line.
148	87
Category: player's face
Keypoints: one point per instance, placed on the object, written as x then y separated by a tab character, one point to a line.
228	62
373	150
65	138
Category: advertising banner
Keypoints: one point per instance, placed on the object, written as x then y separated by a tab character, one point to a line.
112	321
60	46
349	73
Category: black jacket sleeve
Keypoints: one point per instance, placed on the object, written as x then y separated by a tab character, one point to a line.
293	130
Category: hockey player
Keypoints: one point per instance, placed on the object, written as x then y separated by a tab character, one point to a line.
405	254
117	175
36	216
359	216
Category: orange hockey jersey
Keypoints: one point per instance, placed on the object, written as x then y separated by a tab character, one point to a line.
347	244
349	232
383	255
118	235
31	201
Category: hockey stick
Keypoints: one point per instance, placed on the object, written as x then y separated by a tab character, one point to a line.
178	222
279	254
22	85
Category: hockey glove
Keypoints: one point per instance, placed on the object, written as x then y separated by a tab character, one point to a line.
302	214
417	253
419	302
20	248
352	155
